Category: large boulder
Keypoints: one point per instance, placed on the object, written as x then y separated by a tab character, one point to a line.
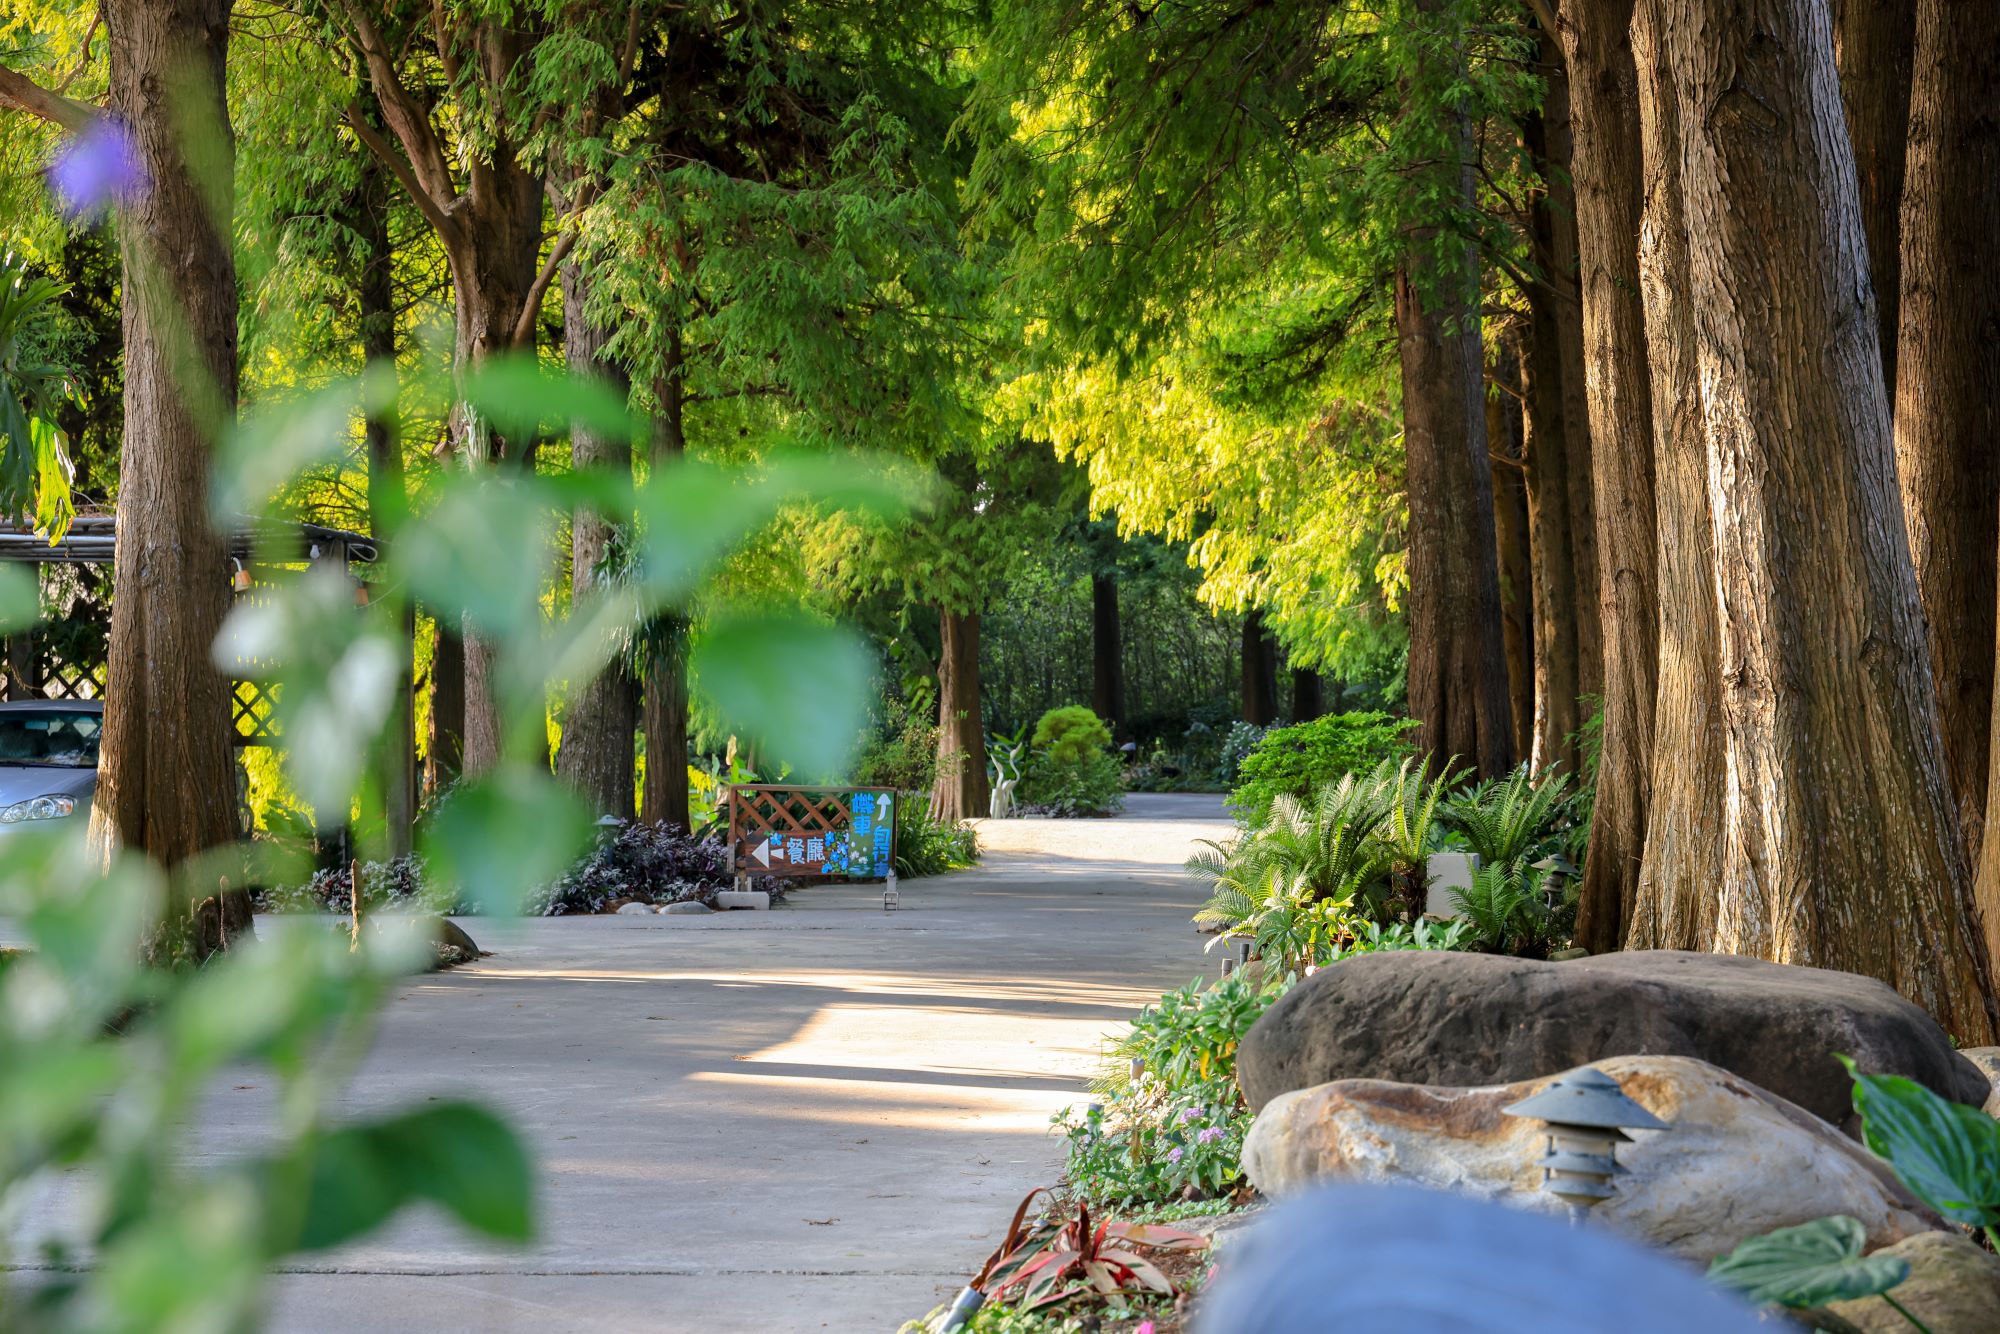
1953	1287
1734	1162
1442	1017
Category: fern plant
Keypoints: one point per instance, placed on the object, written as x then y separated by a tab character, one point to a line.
1513	821
1509	910
1411	831
1292	885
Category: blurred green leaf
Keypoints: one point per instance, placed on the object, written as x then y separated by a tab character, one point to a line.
1947	1153
1809	1265
693	513
482	550
504	833
795	685
522	399
454	1154
267	450
20	599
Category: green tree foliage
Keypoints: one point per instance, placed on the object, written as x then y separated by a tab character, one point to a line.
34	465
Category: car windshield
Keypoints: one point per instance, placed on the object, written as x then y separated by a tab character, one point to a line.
52	738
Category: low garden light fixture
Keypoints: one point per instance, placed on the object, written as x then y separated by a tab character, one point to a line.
240	579
1586	1114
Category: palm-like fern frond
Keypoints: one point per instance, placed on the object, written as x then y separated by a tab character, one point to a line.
1510	821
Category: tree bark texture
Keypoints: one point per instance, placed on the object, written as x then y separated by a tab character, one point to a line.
1458	660
664	685
1604	109
166	783
596	757
1260	672
1506	443
1580	432
666	795
1560	612
445	751
1842	848
1107	653
1677	892
388	495
1947	412
1872	42
960	791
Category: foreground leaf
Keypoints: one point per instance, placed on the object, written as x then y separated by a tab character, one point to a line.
1947	1153
1809	1265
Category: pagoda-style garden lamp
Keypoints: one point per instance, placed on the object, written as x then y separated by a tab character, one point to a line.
1586	1114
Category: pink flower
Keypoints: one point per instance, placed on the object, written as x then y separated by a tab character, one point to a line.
1145	1327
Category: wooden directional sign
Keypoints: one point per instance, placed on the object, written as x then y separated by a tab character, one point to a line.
842	832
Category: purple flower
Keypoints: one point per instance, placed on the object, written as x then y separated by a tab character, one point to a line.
1189	1113
97	168
1174	1155
1209	1136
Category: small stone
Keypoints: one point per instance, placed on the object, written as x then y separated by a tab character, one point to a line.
1735	1160
635	909
1988	1061
688	909
743	898
1953	1287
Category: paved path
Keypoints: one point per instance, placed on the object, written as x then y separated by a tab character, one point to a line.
814	1118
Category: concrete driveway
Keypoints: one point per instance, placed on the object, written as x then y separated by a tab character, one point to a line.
814	1118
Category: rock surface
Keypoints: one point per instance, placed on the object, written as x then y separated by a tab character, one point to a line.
1438	1017
1988	1061
687	909
1735	1162
635	909
1953	1287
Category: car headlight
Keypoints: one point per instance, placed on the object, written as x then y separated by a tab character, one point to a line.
51	807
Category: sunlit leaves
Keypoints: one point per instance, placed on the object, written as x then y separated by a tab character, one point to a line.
268	450
797	686
481	550
519	399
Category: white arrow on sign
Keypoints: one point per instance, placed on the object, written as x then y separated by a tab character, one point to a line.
762	852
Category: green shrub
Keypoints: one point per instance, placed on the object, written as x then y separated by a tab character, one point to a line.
900	751
1297	761
1073	771
931	847
1071	733
1093	785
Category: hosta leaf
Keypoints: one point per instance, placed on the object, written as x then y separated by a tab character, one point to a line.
1809	1265
1948	1153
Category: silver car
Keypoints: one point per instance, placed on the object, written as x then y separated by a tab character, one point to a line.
48	762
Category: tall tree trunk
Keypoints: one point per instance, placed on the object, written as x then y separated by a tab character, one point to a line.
1947	416
388	495
1559	113
1107	653
1458	662
1260	672
166	782
665	720
1678	884
960	791
1841	842
1308	695
1559	610
597	743
1506	442
445	751
493	272
1605	114
666	795
1872	42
